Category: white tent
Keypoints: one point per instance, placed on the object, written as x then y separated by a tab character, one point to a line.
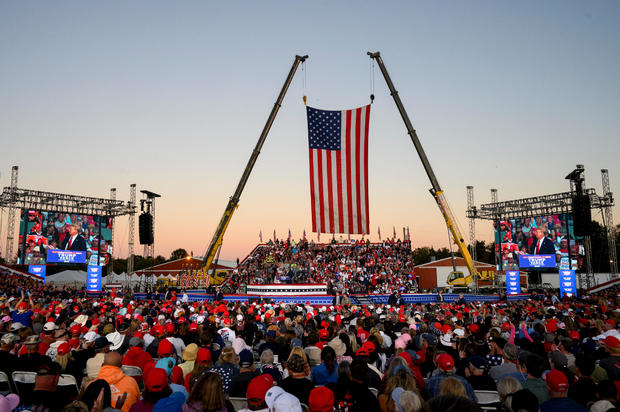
68	277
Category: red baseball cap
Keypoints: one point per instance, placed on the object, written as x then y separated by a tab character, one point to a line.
612	342
169	327
474	328
23	306
323	333
573	334
445	362
257	389
165	348
193	327
557	381
203	356
156	380
76	329
321	399
158	330
369	346
63	348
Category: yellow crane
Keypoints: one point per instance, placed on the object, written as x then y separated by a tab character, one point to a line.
436	190
208	266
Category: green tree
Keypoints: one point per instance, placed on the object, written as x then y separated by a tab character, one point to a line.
179	253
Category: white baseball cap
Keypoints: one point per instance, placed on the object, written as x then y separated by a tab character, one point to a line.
50	326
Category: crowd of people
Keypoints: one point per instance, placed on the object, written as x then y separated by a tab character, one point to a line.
356	267
140	356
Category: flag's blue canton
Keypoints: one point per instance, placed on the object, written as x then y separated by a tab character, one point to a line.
324	129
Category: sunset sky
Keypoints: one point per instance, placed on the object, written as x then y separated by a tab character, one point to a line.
172	96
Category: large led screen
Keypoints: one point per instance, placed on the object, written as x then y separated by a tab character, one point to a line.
538	243
52	237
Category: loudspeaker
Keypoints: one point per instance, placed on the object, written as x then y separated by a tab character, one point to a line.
582	215
145	228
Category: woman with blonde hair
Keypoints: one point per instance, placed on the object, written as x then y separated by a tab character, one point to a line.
401	378
505	388
207	395
452	386
67	364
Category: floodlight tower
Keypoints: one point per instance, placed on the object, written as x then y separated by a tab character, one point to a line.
10	227
609	224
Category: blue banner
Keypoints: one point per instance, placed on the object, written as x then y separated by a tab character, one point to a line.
513	282
93	279
536	261
38	270
65	256
568	284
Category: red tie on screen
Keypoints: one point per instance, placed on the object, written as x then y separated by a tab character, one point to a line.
70	242
538	247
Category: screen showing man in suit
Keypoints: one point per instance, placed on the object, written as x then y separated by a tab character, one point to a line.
541	235
40	231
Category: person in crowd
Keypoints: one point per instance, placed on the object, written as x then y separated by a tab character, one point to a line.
256	392
326	372
476	374
8	360
207	395
98	391
557	386
446	368
203	362
607	396
121	385
135	355
247	372
506	388
189	358
32	360
156	388
535	366
321	399
93	365
451	403
68	365
524	400
297	383
611	363
508	367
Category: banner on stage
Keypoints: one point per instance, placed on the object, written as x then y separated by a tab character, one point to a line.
38	270
537	261
568	284
93	279
65	256
513	282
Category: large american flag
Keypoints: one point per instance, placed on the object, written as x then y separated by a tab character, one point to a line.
338	143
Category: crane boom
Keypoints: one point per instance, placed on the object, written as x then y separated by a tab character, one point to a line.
436	191
233	202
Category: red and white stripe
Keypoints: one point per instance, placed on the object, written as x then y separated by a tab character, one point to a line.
339	179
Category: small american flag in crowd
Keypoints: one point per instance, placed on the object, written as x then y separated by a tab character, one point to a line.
338	142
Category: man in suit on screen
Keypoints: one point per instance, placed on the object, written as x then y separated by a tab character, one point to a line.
543	245
73	241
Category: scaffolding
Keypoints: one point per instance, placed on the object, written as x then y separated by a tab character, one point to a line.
14	199
558	203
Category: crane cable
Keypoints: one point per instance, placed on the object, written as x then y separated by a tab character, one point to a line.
303	82
372	80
